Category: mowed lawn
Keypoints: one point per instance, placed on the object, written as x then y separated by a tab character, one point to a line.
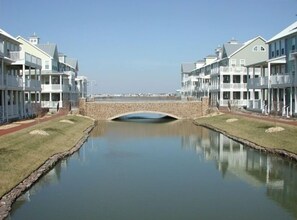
253	130
21	153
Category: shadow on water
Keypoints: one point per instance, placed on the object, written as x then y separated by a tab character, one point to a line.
145	118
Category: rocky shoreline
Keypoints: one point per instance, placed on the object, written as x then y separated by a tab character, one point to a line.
9	198
279	152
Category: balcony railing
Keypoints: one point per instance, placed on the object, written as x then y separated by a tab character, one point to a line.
233	85
281	79
229	70
255	104
258	82
13	81
51	104
55	87
24	56
32	84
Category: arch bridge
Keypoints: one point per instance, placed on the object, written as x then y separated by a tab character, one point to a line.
110	110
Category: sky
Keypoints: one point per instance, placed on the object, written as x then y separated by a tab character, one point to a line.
137	46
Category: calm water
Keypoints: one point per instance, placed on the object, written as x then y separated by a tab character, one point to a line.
173	170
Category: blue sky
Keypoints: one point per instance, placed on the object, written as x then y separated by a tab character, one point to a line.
138	46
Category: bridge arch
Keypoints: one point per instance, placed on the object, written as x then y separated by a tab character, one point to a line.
137	112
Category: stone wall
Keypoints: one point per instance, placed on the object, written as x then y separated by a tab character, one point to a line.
110	110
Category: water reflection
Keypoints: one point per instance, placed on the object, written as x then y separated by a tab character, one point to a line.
275	176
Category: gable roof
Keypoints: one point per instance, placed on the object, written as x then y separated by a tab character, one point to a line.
34	46
187	67
230	48
50	49
287	31
7	35
248	43
72	62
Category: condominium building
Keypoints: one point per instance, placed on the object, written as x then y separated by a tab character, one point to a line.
228	77
19	80
277	81
223	77
58	75
188	80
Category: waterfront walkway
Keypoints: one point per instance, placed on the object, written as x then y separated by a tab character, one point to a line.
259	116
19	125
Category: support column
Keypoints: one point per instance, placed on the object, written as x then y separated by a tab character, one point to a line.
6	105
277	99
17	103
269	86
291	101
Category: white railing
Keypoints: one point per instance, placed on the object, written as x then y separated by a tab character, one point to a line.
234	86
55	87
51	104
254	104
228	69
214	87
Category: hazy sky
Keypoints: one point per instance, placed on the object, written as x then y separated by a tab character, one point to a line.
138	46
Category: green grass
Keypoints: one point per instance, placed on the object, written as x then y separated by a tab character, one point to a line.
254	130
21	153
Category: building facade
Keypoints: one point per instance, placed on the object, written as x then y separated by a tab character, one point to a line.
223	77
277	80
19	80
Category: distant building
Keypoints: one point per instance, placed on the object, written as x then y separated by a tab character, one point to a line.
188	80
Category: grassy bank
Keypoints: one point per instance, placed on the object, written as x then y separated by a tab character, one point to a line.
254	130
21	152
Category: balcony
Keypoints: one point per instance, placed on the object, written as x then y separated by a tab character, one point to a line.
237	86
256	83
51	104
13	81
54	88
279	80
232	70
32	85
21	57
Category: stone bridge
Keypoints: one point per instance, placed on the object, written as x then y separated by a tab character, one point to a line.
101	110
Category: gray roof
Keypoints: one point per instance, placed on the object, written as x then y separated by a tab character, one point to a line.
50	49
187	67
72	62
231	48
287	31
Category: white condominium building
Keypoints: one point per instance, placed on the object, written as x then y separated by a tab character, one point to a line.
19	80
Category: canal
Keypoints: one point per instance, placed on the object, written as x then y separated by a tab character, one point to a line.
163	170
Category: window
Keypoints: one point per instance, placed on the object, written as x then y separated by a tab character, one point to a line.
256	95
244	78
46	66
244	95
242	62
255	48
226	79
293	44
263	49
236	79
233	62
226	95
236	95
